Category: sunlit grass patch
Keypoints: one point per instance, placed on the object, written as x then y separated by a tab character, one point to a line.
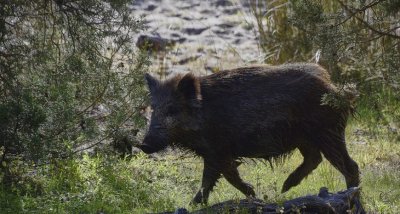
142	184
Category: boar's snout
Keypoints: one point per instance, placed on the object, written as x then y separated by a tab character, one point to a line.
152	144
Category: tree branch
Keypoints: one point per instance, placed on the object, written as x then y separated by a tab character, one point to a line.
353	13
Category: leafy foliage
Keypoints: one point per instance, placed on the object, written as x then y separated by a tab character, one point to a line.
357	41
70	80
69	76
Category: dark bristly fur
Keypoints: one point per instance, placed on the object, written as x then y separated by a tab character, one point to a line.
256	112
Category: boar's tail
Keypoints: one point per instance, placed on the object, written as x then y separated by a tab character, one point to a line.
350	94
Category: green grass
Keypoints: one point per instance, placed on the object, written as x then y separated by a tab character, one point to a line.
143	184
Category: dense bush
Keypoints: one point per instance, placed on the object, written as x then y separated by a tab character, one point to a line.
69	77
70	81
357	41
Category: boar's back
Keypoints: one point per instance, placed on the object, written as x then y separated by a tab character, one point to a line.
267	106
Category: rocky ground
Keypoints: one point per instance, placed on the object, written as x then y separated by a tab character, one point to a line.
201	36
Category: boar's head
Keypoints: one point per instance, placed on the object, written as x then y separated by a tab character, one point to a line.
175	105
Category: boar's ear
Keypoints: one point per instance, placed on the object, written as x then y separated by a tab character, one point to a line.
152	82
189	86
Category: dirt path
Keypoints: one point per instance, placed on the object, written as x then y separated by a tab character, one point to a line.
209	35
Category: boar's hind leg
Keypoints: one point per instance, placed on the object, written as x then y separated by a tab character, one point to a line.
336	153
312	158
231	174
211	174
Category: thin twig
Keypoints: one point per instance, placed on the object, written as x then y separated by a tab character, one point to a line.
366	24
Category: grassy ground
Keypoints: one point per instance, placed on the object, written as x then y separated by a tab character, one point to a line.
142	184
109	184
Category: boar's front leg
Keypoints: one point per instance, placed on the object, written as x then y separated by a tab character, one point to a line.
231	174
211	174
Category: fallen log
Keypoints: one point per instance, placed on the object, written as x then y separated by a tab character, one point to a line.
346	201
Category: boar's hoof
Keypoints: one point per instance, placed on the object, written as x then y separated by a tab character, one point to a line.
199	199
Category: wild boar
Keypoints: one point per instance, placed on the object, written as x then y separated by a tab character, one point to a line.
252	112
